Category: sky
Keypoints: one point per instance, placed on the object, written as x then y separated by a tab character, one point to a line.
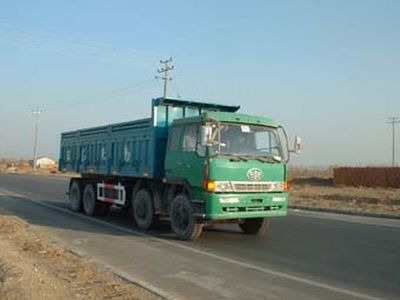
329	71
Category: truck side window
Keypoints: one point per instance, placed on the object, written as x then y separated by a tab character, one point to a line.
174	113
175	138
191	112
160	115
190	138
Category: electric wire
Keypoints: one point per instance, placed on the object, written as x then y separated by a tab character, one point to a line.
100	98
28	38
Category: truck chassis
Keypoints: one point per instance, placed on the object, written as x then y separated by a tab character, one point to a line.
146	200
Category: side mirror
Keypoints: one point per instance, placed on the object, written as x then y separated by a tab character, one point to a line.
205	135
297	145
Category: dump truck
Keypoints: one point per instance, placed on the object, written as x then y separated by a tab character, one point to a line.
192	163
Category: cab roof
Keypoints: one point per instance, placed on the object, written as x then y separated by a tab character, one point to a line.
195	103
230	118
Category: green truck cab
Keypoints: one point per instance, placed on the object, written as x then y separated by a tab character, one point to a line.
235	166
192	163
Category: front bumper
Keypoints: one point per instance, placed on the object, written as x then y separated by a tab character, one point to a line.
252	205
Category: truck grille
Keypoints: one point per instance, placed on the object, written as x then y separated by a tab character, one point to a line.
257	187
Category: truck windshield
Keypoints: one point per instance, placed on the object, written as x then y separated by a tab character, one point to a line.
245	140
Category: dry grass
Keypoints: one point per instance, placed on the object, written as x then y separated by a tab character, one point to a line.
315	188
32	266
6	272
10	166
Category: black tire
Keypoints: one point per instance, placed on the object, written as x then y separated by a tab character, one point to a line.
75	196
143	209
183	221
257	226
91	206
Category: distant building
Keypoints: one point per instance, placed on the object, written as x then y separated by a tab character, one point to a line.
44	163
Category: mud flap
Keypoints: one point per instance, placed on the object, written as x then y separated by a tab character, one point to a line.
199	210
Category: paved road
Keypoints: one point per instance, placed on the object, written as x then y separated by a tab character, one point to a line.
306	255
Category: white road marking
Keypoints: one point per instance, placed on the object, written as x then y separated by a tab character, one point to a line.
264	270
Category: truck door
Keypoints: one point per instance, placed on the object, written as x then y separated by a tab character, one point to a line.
173	160
184	159
192	158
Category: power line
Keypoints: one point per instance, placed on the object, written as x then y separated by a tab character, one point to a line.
121	91
36	112
148	86
23	37
118	91
164	70
393	121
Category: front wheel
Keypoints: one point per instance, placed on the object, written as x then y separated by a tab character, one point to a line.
254	226
183	221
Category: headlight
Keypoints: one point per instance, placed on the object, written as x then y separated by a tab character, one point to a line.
223	186
219	186
278	186
245	186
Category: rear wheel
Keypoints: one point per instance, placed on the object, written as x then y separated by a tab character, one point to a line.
143	209
75	196
91	206
255	226
183	221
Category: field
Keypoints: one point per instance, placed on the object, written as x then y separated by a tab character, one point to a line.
19	166
22	167
315	189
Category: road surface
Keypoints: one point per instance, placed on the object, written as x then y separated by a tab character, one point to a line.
306	255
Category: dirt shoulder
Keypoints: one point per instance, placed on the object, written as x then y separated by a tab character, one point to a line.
316	190
33	266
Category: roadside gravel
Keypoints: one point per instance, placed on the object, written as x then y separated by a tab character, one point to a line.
33	266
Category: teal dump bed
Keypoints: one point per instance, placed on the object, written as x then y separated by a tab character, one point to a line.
133	149
122	149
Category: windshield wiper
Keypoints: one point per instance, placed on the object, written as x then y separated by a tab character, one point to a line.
246	157
265	158
276	159
261	158
240	157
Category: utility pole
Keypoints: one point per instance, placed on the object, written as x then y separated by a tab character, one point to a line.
393	121
36	112
164	70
